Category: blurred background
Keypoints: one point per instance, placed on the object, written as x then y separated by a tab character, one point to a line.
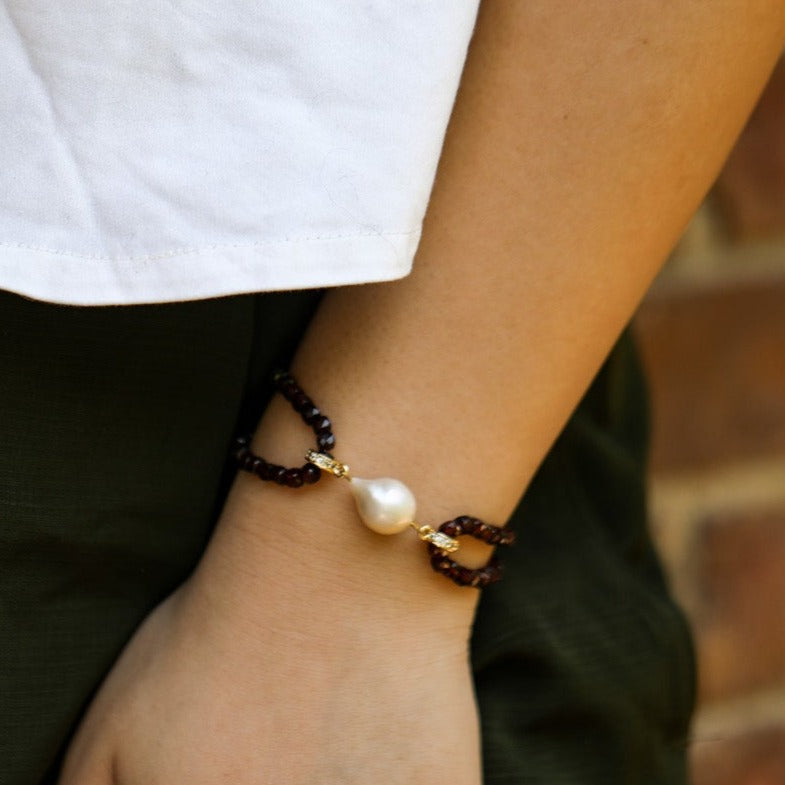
712	336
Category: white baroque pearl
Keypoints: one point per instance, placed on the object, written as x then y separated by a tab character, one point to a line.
386	506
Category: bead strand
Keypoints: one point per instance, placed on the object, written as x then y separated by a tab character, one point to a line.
485	532
307	474
310	413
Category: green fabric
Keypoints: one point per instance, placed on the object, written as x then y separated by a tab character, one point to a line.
115	424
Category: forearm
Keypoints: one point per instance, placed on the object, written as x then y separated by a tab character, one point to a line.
583	138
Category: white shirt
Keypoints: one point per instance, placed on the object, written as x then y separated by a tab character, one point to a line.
160	150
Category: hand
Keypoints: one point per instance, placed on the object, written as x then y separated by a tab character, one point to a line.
204	695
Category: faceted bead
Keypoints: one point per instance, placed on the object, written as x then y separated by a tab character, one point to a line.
293	478
473	526
301	402
310	414
311	473
325	442
321	424
287	387
451	528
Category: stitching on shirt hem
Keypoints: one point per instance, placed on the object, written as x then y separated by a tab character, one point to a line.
201	249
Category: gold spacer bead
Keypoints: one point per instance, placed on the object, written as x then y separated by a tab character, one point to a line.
442	541
328	464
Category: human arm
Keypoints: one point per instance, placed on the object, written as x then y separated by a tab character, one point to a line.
583	137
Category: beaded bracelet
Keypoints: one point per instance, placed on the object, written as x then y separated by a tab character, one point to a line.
385	505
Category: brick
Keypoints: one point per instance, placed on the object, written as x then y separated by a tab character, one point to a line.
750	191
753	758
739	571
715	359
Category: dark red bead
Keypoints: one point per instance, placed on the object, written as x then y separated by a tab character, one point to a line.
287	387
451	528
293	478
279	474
311	473
301	402
266	471
325	441
482	531
311	414
321	424
472	527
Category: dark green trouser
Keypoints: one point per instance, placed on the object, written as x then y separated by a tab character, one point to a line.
114	429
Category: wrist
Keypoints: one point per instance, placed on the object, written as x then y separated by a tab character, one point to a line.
305	557
287	543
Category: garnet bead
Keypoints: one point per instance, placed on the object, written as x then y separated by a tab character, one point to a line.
311	473
301	402
293	478
310	414
321	424
267	471
451	528
325	441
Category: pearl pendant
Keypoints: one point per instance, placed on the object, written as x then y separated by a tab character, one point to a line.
386	506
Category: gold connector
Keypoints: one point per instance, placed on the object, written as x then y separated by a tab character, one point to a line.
328	464
442	541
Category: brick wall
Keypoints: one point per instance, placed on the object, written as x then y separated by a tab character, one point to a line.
712	335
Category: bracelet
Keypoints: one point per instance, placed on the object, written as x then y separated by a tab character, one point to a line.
385	505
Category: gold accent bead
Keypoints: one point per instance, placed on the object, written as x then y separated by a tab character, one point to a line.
328	464
443	542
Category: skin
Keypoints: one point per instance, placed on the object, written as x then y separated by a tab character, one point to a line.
307	649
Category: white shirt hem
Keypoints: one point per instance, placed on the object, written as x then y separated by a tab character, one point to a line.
202	273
